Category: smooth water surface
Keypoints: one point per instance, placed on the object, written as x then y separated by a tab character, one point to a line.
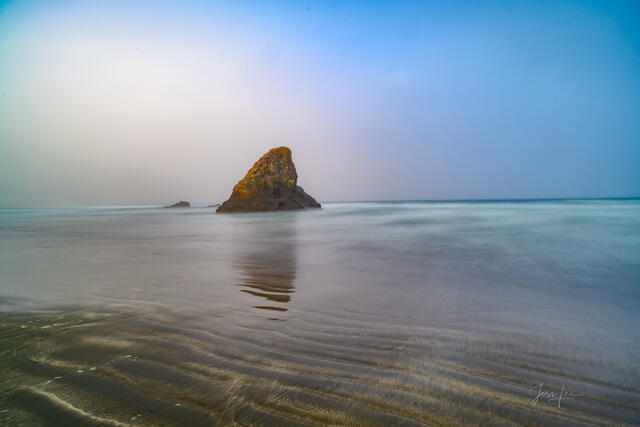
357	313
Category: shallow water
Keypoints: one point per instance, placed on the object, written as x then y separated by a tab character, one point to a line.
358	313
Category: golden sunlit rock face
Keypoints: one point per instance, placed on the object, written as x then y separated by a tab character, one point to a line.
270	185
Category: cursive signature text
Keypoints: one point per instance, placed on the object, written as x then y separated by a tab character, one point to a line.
551	396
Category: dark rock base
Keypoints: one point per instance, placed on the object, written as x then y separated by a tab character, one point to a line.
276	200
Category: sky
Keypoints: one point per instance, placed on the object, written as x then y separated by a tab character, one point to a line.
140	102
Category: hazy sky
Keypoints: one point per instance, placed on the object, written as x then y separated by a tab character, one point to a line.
152	102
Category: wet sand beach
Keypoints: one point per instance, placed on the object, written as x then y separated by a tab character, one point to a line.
496	313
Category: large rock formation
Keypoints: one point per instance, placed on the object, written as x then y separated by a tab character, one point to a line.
270	185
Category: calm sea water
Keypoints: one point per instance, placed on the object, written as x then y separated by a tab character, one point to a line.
359	313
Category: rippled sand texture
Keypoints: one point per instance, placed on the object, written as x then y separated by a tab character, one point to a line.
163	368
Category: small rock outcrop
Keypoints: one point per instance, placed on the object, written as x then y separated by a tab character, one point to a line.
270	185
180	204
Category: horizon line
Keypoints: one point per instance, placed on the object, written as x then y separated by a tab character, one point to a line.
207	205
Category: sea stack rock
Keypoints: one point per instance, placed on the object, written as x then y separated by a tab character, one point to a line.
270	185
180	204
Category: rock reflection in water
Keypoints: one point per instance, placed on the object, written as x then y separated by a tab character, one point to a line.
268	269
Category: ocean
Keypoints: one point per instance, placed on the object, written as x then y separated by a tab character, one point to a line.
377	313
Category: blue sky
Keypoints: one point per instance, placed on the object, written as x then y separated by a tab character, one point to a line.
147	102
